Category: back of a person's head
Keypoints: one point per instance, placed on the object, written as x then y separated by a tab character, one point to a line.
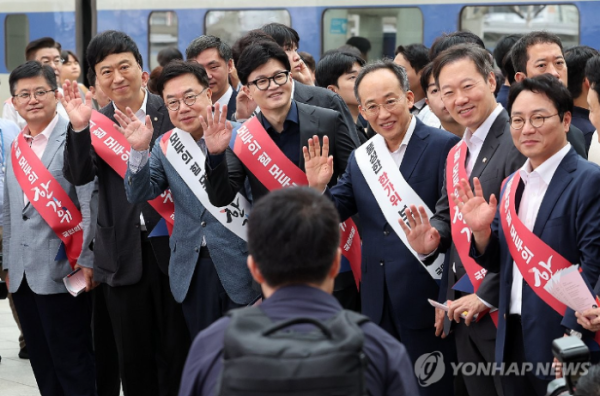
416	54
448	40
518	53
35	45
168	54
285	36
589	384
308	59
502	55
576	58
251	37
111	42
363	44
293	236
349	49
592	73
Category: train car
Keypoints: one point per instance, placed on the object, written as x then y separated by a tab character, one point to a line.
322	25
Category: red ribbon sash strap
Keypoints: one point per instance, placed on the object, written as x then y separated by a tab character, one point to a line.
114	149
48	197
266	161
535	259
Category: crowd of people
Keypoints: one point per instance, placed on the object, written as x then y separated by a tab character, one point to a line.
448	174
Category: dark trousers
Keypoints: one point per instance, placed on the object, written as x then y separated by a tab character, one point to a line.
206	300
519	385
345	291
57	329
419	342
476	344
105	347
151	337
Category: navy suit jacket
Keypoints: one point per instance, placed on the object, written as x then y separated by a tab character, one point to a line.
581	119
232	105
385	258
569	222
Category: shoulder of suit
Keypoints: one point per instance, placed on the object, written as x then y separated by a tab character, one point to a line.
317	110
436	134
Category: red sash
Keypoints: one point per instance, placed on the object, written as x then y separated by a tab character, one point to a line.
48	197
461	233
113	148
266	161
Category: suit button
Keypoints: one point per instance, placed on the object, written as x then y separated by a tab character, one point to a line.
203	224
386	232
196	250
381	263
25	217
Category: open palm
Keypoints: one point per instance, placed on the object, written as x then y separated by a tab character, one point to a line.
318	164
217	130
476	211
137	133
79	112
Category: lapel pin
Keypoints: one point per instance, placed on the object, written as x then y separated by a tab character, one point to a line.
155	118
484	160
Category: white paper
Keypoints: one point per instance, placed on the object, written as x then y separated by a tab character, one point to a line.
445	308
75	282
568	287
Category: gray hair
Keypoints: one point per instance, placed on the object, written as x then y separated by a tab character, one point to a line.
385	64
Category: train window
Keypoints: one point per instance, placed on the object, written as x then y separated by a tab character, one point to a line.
232	25
16	36
162	33
492	22
385	28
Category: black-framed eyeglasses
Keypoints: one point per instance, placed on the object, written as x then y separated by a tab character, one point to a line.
26	96
536	121
189	99
265	82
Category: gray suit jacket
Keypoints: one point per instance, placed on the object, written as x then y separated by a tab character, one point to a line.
497	159
29	244
192	223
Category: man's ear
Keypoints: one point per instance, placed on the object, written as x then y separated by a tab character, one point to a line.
337	264
520	76
254	270
332	88
247	91
229	65
145	78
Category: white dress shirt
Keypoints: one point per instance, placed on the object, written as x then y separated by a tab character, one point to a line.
536	184
428	118
398	154
475	139
226	97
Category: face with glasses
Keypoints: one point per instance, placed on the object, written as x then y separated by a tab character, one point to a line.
186	100
536	127
385	105
269	86
468	97
35	100
50	57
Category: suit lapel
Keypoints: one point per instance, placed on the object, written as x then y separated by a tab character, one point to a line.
301	94
490	144
561	179
54	142
308	127
415	148
153	107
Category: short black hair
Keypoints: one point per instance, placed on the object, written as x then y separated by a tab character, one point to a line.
35	45
349	49
425	76
502	55
475	53
293	236
416	54
385	64
176	68
249	38
284	36
331	67
589	384
205	42
592	73
308	60
31	69
168	54
576	58
448	40
108	43
258	54
518	53
363	44
547	85
91	76
65	56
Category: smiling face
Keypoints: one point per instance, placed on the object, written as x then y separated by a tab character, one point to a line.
187	117
120	78
37	111
468	97
538	144
275	97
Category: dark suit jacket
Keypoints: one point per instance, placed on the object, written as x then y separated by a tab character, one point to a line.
385	258
569	222
321	97
227	178
117	248
501	159
581	119
577	140
232	105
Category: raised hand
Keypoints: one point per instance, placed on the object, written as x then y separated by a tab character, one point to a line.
79	112
318	164
217	130
477	213
422	237
245	106
137	133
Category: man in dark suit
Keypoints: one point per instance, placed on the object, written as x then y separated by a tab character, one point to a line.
467	83
215	56
395	285
553	202
539	53
148	326
264	70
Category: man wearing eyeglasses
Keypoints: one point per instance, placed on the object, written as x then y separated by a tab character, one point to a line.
46	51
403	162
466	82
546	222
207	272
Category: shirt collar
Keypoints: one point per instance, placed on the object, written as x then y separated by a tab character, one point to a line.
408	134
478	136
46	132
420	104
547	169
141	112
292	116
224	100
